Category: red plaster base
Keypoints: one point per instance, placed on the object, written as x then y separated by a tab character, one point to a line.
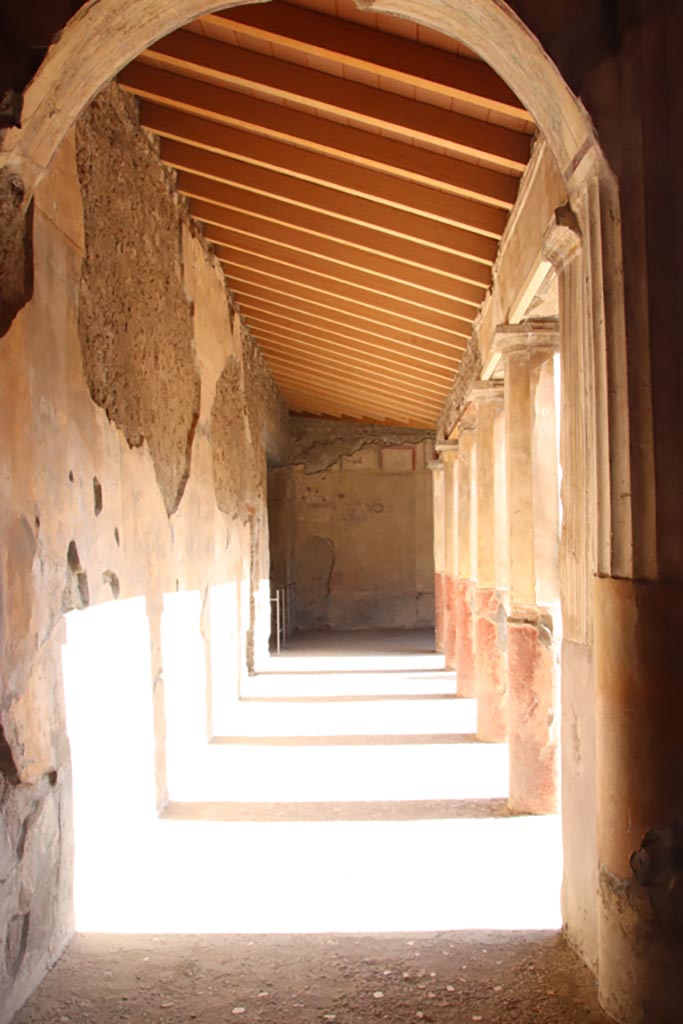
449	622
439	584
464	639
490	630
534	719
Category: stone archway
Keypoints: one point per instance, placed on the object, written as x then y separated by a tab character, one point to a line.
105	36
610	488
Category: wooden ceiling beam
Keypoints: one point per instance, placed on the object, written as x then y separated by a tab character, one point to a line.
337	271
357	46
407	384
321	407
284	274
330	354
192	54
311	147
244	282
271	215
357	354
329	385
307	407
277	315
324	206
338	254
435	354
290	330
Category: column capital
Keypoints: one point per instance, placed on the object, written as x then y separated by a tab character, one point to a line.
487	391
526	336
562	239
447	450
435	465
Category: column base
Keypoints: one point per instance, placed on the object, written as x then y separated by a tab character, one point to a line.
638	670
534	719
490	630
464	639
439	611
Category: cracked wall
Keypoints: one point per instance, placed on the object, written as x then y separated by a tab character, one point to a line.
363	522
130	490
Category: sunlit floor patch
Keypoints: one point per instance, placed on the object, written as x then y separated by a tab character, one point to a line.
321	816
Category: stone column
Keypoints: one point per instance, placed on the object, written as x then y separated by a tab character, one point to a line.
489	607
449	454
437	468
532	481
464	587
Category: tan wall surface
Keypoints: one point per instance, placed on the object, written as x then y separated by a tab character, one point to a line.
364	526
135	502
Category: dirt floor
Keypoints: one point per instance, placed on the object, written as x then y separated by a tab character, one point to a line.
450	977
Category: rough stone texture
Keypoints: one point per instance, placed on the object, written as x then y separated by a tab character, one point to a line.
135	319
317	444
235	474
364	526
469	371
16	247
268	415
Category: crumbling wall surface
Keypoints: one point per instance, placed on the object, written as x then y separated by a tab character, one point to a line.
318	444
122	518
135	318
363	514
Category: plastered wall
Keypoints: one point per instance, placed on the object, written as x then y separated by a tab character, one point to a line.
363	526
134	423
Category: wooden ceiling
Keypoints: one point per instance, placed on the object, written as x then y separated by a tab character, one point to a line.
355	173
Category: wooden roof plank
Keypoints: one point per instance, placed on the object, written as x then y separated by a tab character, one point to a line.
358	46
338	254
297	334
249	265
260	310
328	384
465	193
433	354
272	215
238	188
359	354
188	52
373	375
338	271
246	283
326	358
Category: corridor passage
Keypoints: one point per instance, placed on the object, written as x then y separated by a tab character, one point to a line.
345	854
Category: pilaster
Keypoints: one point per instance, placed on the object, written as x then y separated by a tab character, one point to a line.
528	350
490	633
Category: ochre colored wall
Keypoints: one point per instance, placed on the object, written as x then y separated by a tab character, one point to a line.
364	526
134	418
